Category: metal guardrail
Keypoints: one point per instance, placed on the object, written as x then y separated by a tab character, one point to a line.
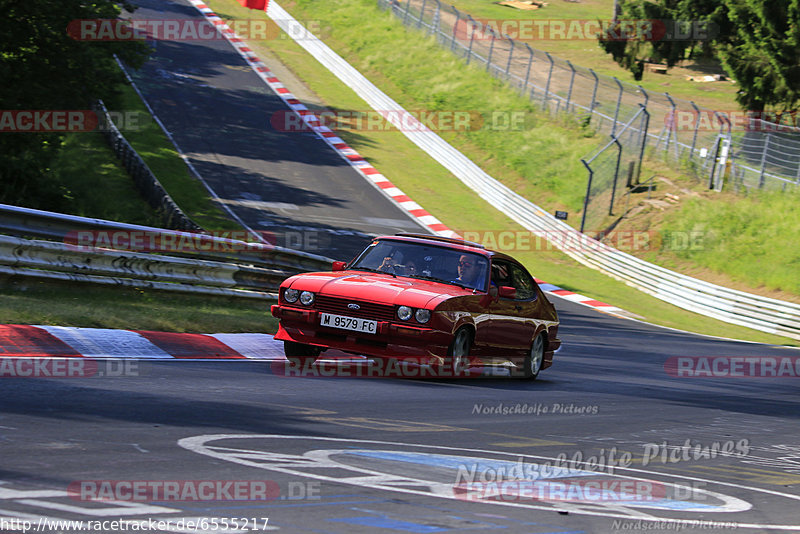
147	183
47	259
736	307
194	262
29	222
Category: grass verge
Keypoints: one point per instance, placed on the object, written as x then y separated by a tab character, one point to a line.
376	46
90	176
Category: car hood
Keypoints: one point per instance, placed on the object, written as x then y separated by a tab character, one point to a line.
377	287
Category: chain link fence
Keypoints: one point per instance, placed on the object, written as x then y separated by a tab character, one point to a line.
613	170
758	154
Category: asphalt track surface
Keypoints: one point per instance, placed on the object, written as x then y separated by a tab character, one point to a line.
354	452
289	185
608	388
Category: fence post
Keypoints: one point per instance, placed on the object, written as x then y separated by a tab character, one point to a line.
646	96
673	126
594	92
763	162
616	176
530	64
696	128
510	55
588	191
547	85
455	29
471	37
644	141
436	17
491	49
408	7
616	111
421	14
571	82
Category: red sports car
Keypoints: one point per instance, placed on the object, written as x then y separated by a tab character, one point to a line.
435	301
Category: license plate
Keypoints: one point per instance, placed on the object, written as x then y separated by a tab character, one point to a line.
348	323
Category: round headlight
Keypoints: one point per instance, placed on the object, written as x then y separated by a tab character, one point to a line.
422	315
404	313
290	295
307	298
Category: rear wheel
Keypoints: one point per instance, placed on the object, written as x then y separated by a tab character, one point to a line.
300	353
534	359
458	353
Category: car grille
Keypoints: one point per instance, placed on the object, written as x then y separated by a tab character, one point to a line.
368	310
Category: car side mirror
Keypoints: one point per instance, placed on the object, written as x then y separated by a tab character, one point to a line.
507	292
339	266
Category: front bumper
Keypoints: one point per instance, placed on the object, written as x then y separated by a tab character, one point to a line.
399	341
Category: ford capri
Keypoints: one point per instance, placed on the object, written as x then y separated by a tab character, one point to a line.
434	301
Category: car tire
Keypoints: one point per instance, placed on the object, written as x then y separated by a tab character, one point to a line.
458	352
534	359
300	353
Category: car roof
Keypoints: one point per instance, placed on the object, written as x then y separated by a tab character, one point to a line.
448	242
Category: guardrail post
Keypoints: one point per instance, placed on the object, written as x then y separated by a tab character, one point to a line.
547	85
616	111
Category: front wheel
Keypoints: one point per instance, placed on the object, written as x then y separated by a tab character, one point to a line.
458	353
300	353
534	359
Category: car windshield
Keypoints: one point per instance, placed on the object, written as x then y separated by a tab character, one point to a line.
428	262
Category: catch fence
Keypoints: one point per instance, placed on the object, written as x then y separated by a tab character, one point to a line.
754	154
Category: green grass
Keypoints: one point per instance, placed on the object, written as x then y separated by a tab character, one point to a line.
90	176
749	240
48	303
377	46
587	53
157	151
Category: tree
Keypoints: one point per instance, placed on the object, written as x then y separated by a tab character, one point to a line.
757	43
44	68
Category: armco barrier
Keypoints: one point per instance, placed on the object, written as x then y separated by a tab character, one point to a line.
147	183
27	222
736	307
46	259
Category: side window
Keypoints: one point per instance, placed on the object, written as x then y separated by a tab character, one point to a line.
501	274
523	283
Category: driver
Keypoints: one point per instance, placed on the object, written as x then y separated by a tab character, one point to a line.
470	273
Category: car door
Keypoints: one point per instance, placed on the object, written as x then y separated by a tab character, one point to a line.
503	330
